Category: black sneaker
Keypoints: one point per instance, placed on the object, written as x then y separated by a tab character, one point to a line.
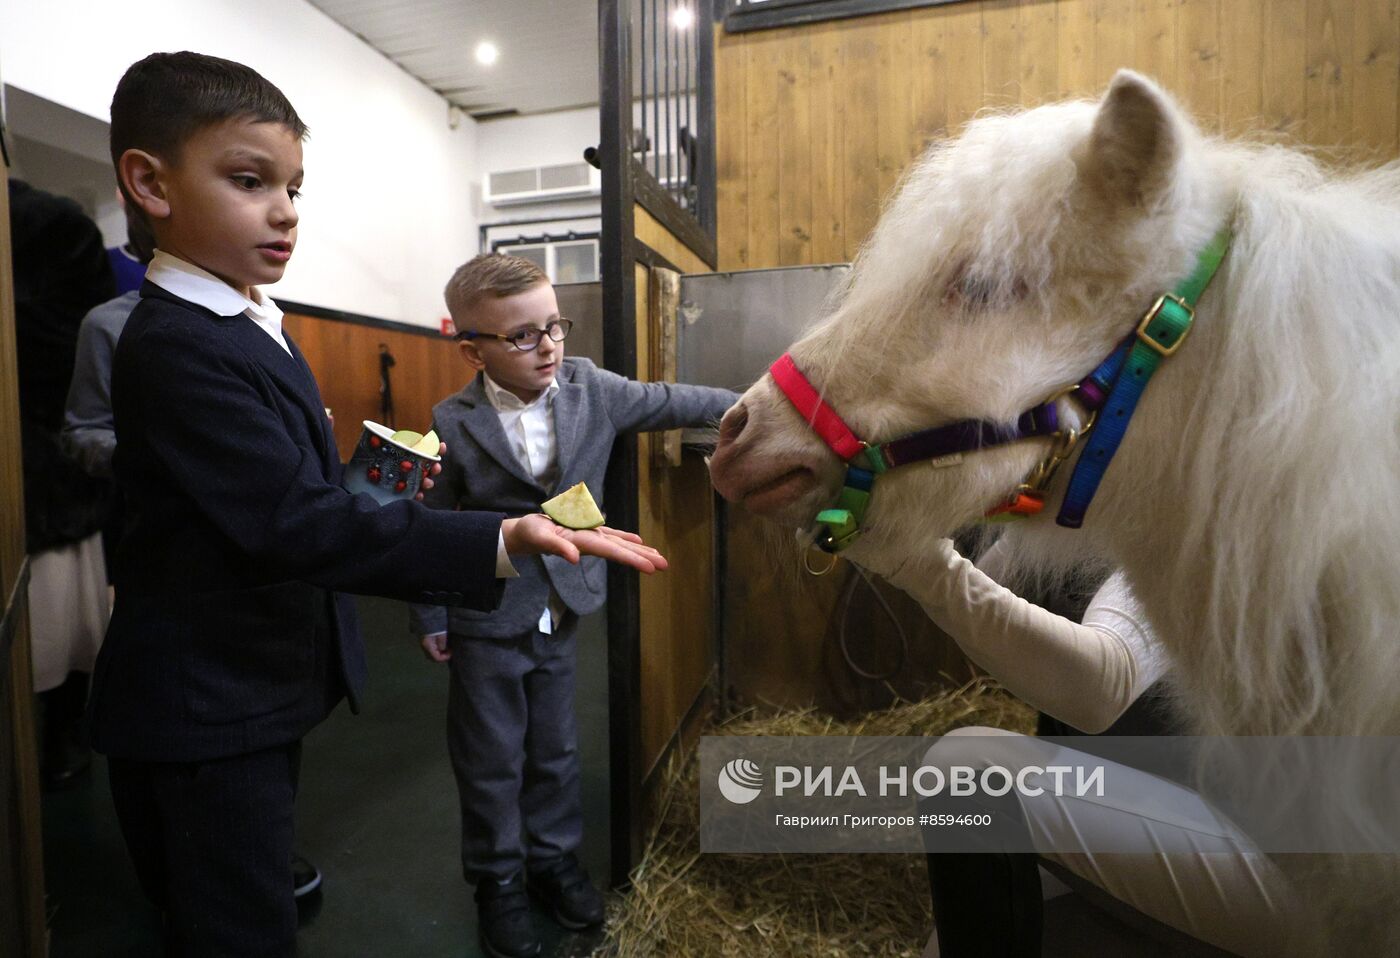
503	919
564	888
306	877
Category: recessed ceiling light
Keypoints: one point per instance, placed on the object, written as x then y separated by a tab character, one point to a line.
486	53
682	18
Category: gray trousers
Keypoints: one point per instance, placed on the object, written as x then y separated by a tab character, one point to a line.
513	739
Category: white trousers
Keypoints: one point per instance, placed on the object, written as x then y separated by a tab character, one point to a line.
68	610
1207	879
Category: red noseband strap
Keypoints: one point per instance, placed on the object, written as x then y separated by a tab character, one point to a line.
821	417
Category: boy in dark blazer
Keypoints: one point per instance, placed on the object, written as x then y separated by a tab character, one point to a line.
530	424
229	640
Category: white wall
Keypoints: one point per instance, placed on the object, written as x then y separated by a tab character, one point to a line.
387	212
542	139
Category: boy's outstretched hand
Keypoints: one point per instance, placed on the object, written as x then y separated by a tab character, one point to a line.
540	535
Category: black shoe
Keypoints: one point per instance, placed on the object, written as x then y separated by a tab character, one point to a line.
503	919
65	755
306	877
64	764
564	888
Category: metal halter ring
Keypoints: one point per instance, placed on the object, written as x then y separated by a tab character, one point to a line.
807	562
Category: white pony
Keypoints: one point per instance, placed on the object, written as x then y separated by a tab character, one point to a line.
1255	501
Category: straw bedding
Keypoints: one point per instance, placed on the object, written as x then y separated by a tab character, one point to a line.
686	904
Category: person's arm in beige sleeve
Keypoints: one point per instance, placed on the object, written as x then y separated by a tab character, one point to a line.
1084	674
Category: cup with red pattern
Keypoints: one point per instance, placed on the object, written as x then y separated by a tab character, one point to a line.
389	465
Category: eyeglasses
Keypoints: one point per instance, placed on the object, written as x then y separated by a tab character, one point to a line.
526	340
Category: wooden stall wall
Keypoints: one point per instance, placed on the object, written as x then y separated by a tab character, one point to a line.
676	514
816	123
345	358
22	932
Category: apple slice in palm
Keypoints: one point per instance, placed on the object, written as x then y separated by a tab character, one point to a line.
574	508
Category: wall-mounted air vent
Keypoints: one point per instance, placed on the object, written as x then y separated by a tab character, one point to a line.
539	184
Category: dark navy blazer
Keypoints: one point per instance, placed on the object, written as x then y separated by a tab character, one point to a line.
228	635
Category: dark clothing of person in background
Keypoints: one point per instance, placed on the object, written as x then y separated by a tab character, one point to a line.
61	271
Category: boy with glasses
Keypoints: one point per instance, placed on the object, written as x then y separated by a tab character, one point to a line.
529	424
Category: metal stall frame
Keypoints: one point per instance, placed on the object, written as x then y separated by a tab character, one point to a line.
625	182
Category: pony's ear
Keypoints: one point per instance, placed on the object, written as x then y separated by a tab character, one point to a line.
1134	144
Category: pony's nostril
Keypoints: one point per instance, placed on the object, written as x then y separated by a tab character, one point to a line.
733	423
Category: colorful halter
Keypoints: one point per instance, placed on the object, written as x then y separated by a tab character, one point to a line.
1109	395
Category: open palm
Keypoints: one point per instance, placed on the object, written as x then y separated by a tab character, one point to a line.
540	535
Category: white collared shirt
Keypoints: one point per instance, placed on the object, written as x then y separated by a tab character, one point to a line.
529	427
203	288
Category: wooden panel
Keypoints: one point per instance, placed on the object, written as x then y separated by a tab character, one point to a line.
860	46
787	634
1115	39
895	147
762	124
650	232
1328	74
816	123
1074	41
827	132
1156	40
345	358
1376	90
732	150
21	796
21	852
1198	80
1241	67
929	78
1001	54
1038	41
794	155
11	478
965	49
675	511
1284	65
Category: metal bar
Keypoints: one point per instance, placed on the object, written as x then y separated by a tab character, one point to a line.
621	489
641	60
789	13
688	86
668	32
654	138
705	122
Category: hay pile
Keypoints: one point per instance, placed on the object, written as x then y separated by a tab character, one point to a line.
690	905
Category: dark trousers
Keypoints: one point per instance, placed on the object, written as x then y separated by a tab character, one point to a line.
986	900
513	739
212	846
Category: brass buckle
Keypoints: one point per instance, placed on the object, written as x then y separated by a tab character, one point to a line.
1157	347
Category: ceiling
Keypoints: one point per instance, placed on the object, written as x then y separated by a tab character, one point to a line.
548	48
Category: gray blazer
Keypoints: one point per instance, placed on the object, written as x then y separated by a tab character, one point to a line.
480	471
89	434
